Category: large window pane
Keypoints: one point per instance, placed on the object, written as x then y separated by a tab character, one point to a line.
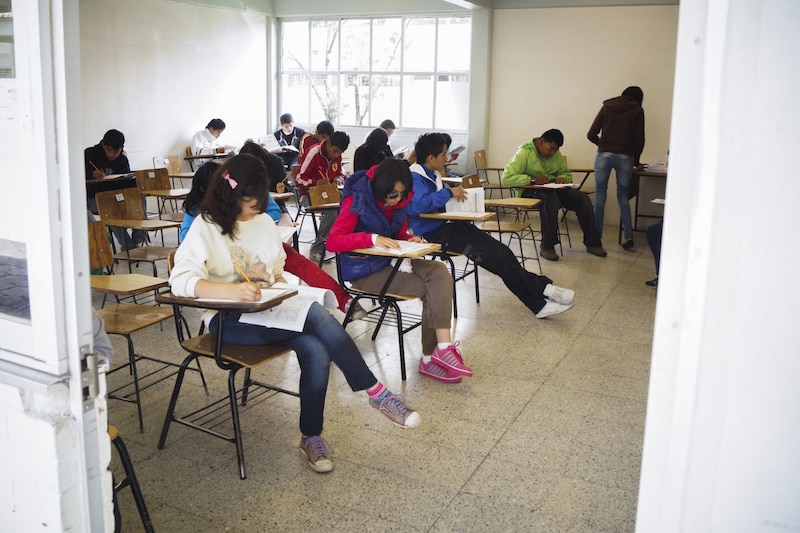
385	98
454	43
417	101
386	45
294	96
355	98
294	46
325	45
452	101
324	98
355	44
420	44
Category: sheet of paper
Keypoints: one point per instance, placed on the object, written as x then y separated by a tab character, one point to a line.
126	175
405	247
558	185
474	202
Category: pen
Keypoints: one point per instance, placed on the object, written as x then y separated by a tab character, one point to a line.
242	272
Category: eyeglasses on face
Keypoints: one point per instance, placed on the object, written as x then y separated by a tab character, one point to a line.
550	147
394	195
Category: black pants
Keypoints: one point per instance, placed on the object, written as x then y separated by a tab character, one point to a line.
572	200
494	256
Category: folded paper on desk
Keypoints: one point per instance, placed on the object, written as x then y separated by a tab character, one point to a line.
473	203
291	313
119	176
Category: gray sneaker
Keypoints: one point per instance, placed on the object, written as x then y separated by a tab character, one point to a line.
393	407
317	451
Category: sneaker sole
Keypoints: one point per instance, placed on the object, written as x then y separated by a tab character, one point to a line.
412	421
445	379
326	466
466	373
554	314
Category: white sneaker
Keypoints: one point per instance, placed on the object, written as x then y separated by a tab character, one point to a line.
552	308
559	294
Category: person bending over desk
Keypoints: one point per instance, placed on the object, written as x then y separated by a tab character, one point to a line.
538	293
373	213
206	141
233	242
323	131
538	162
104	159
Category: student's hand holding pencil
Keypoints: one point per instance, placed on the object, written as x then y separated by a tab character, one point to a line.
97	173
247	291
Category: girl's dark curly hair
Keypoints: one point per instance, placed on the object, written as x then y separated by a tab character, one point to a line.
242	176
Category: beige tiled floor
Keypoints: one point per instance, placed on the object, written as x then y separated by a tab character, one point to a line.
546	436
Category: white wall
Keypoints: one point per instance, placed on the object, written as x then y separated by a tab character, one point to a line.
552	68
159	71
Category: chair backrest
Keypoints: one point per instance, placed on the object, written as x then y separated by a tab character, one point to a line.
152	179
170	262
171	162
188	150
121	204
471	181
295	170
480	159
324	193
100	254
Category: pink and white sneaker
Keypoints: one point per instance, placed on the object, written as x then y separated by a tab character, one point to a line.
451	359
439	373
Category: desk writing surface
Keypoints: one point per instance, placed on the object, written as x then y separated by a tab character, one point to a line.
167	193
551	185
322	207
220	304
147	225
206	156
460	215
182	175
407	249
126	284
281	195
516	202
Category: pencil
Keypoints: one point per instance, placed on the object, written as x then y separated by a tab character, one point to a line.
95	166
284	178
242	272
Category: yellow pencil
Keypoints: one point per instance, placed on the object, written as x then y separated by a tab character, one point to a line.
242	272
95	166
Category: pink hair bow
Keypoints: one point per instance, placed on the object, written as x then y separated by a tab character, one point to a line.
232	182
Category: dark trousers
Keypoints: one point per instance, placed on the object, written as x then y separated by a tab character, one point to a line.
654	241
494	256
571	200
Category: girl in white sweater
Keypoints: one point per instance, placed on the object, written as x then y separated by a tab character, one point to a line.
233	230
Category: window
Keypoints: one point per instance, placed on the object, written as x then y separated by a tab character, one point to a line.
358	72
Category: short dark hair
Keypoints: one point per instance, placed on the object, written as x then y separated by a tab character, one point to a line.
216	124
389	172
113	139
635	93
447	139
191	204
324	128
387	125
286	118
339	139
554	136
429	144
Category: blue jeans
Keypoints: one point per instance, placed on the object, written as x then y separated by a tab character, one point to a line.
322	340
623	167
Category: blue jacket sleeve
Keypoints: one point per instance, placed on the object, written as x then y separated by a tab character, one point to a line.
273	210
425	199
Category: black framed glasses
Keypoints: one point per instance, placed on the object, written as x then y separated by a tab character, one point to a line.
395	195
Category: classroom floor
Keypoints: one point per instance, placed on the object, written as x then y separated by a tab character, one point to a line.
547	435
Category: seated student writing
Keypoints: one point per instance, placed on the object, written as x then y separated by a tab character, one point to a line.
323	131
275	171
430	196
373	212
103	159
322	163
232	233
296	263
206	141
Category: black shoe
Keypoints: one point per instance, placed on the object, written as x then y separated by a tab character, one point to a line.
548	253
596	250
653	283
628	245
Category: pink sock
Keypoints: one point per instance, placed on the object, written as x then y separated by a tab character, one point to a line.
378	390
